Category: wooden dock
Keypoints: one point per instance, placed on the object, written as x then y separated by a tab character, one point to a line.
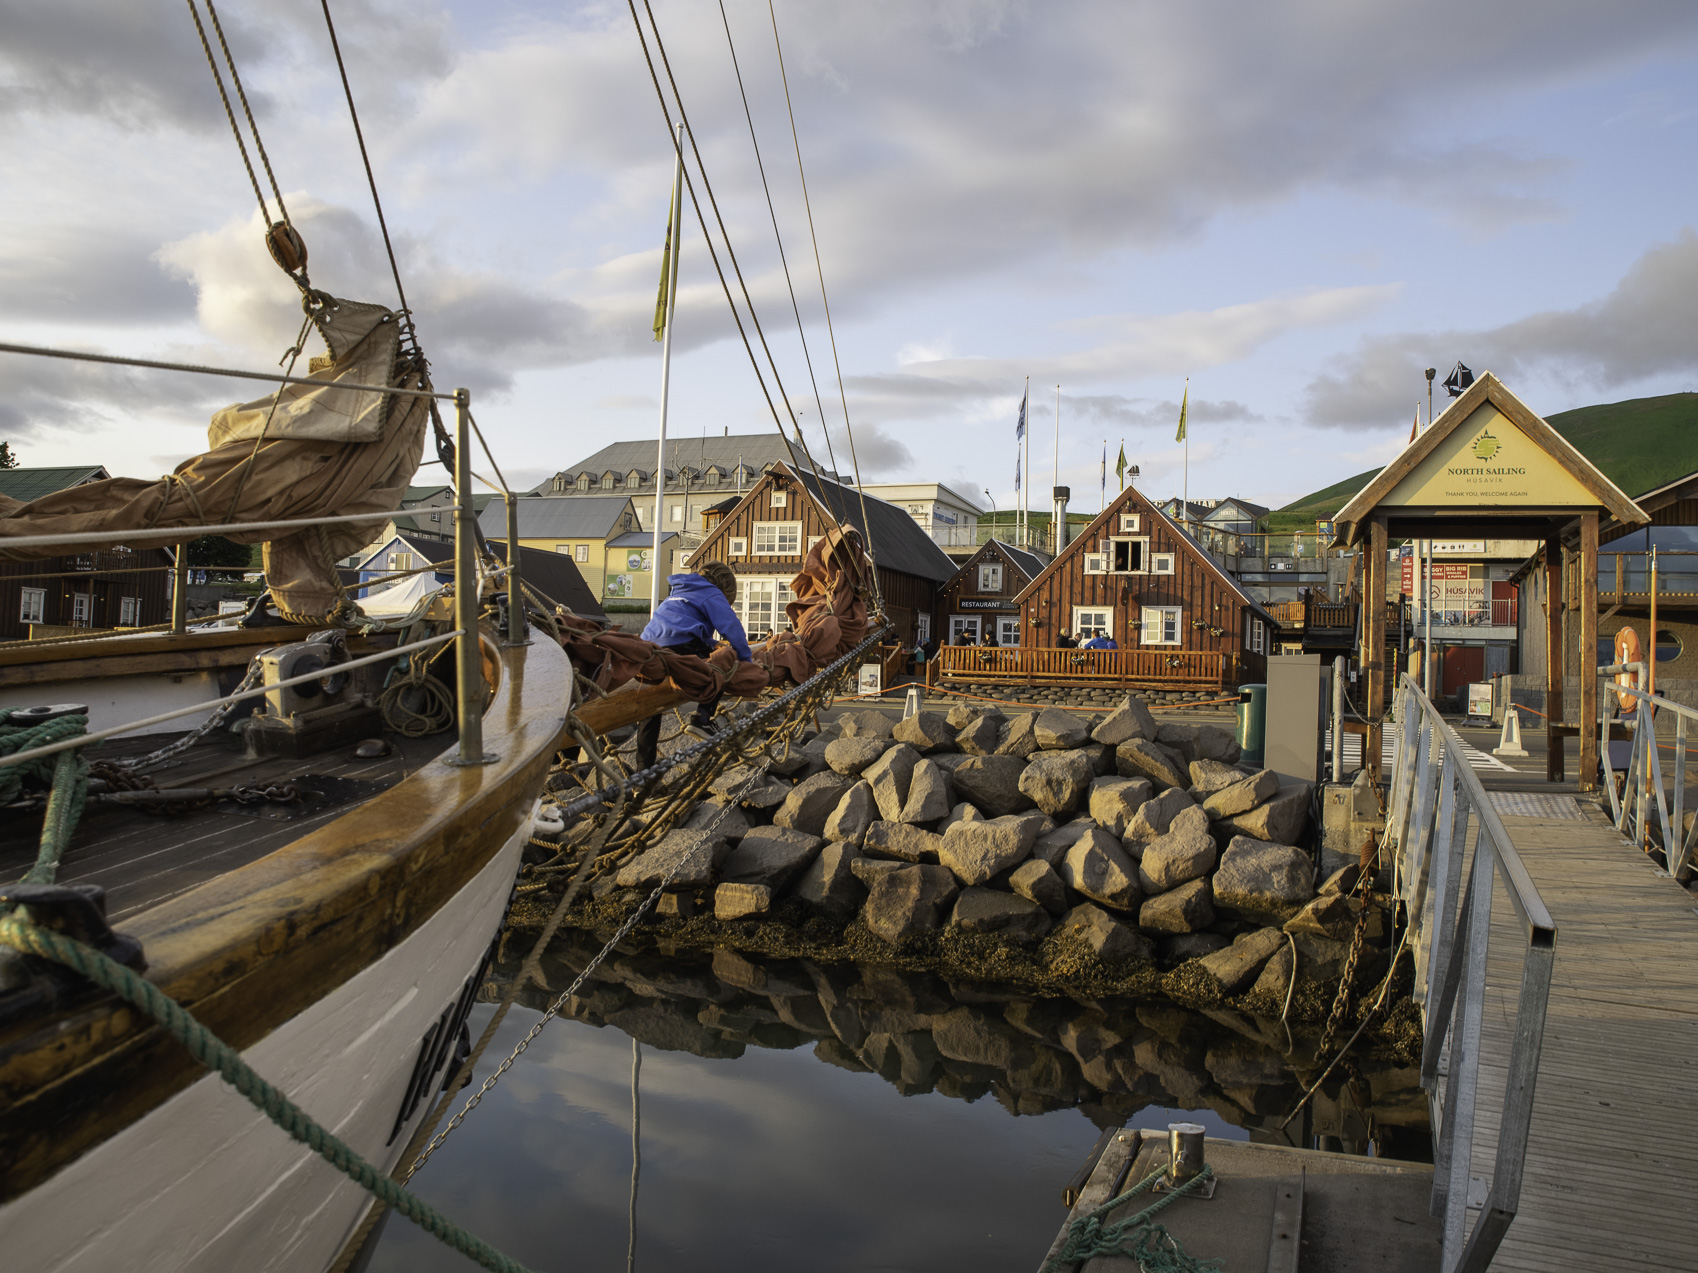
1613	1149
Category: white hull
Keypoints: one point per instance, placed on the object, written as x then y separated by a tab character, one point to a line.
205	1183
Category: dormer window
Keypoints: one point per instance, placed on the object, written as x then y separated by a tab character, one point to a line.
583	481
633	480
560	484
607	481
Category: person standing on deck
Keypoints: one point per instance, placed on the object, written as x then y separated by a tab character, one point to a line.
1103	642
1066	642
699	605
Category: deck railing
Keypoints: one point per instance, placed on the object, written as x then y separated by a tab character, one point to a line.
1641	806
1191	669
1435	796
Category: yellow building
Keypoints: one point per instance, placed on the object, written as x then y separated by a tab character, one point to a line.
582	529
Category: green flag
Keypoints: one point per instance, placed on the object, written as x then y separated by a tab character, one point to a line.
1120	466
665	271
1183	403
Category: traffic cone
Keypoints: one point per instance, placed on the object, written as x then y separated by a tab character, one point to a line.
1510	743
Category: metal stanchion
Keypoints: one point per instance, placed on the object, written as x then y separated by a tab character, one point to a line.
468	658
180	592
517	630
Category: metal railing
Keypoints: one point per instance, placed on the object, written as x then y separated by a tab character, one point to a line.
1642	797
1435	797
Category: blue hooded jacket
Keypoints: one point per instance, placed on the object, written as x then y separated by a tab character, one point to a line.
696	609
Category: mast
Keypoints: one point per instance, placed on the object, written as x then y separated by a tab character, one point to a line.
1055	532
676	233
1024	533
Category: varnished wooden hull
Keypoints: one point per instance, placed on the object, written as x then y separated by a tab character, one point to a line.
325	962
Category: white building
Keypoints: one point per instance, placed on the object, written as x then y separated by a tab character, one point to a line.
952	520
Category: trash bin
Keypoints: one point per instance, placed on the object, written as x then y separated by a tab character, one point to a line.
1252	722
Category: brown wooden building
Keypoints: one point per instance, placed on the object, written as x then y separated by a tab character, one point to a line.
766	536
978	604
1135	577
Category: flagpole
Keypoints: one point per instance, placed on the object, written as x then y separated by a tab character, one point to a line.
1055	532
1185	487
675	233
1026	469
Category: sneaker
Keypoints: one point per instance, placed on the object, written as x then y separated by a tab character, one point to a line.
702	729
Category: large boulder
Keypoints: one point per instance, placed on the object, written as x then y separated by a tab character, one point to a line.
1156	815
1242	796
925	731
992	783
1114	802
975	851
1128	721
1104	936
989	910
929	794
1186	909
1037	881
906	901
1052	846
1140	758
901	840
727	824
1020	739
1097	867
867	724
1280	820
980	736
1180	739
1210	776
866	869
690	858
1263	881
855	812
1236	966
1185	853
1058	730
889	776
1331	915
829	886
811	801
765	793
964	714
739	901
772	856
851	755
1214	743
1056	780
962	812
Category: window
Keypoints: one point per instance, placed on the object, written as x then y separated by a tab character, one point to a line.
1161	625
778	539
739	548
812	540
780	499
1096	563
1092	623
760	604
1129	524
581	552
34	609
559	485
1258	636
563	548
676	513
922	628
1127	556
633	480
990	578
607	481
1008	630
82	605
400	561
714	474
583	481
1161	563
129	611
963	625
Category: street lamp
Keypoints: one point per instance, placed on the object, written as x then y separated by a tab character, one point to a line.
992	499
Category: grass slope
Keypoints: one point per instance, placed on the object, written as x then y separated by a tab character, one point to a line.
1639	444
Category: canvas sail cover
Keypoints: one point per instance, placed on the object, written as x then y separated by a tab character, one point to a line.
347	451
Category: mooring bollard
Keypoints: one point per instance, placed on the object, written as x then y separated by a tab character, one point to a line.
1184	1152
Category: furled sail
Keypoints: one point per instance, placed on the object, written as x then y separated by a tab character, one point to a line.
324	451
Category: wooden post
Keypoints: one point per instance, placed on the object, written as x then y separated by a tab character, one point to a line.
1588	651
180	591
1374	637
1555	660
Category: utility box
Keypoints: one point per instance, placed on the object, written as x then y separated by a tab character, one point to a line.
1298	693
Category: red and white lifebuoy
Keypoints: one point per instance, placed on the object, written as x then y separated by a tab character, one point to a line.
1627	651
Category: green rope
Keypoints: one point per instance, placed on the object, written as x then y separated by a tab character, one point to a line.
67	772
1150	1245
219	1056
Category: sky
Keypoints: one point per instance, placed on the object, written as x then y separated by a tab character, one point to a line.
1292	206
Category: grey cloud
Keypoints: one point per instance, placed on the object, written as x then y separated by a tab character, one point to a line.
77	273
1137	413
1641	328
44	396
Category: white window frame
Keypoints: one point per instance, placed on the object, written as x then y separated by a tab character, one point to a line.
1258	635
1161	563
760	603
737	548
581	553
990	576
1096	563
82	608
1161	625
1143	542
922	627
129	612
1131	523
399	561
675	513
959	623
32	606
1098	619
780	533
1008	629
812	540
781	499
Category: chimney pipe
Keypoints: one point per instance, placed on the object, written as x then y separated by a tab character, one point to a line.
1059	524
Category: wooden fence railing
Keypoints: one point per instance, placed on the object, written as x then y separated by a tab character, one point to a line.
1173	669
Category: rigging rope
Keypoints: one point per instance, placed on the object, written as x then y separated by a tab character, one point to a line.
241	94
229	113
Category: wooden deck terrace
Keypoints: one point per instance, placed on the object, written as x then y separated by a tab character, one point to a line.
1612	1152
1032	665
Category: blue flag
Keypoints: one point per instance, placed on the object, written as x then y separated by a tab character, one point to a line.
1019	433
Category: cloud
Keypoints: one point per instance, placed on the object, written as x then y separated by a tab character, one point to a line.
1640	329
88	274
626	402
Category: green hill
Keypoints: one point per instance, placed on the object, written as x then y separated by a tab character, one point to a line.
1639	444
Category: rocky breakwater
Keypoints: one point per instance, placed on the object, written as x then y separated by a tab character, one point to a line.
1119	853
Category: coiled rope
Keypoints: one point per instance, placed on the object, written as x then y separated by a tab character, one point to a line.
1147	1244
227	1063
67	772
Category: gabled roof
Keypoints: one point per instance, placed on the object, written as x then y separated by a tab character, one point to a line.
27	484
586	517
553	575
754	450
1025	562
1451	465
895	540
1080	544
1243	505
641	539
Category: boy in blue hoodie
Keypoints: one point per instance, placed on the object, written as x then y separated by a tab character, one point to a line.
699	605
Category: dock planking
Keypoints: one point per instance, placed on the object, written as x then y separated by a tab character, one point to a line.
1613	1146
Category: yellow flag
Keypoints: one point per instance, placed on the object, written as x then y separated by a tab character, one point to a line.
665	271
1183	403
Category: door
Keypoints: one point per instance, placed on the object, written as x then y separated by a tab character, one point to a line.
1463	665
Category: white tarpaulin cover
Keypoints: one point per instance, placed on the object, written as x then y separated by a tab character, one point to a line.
397	599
